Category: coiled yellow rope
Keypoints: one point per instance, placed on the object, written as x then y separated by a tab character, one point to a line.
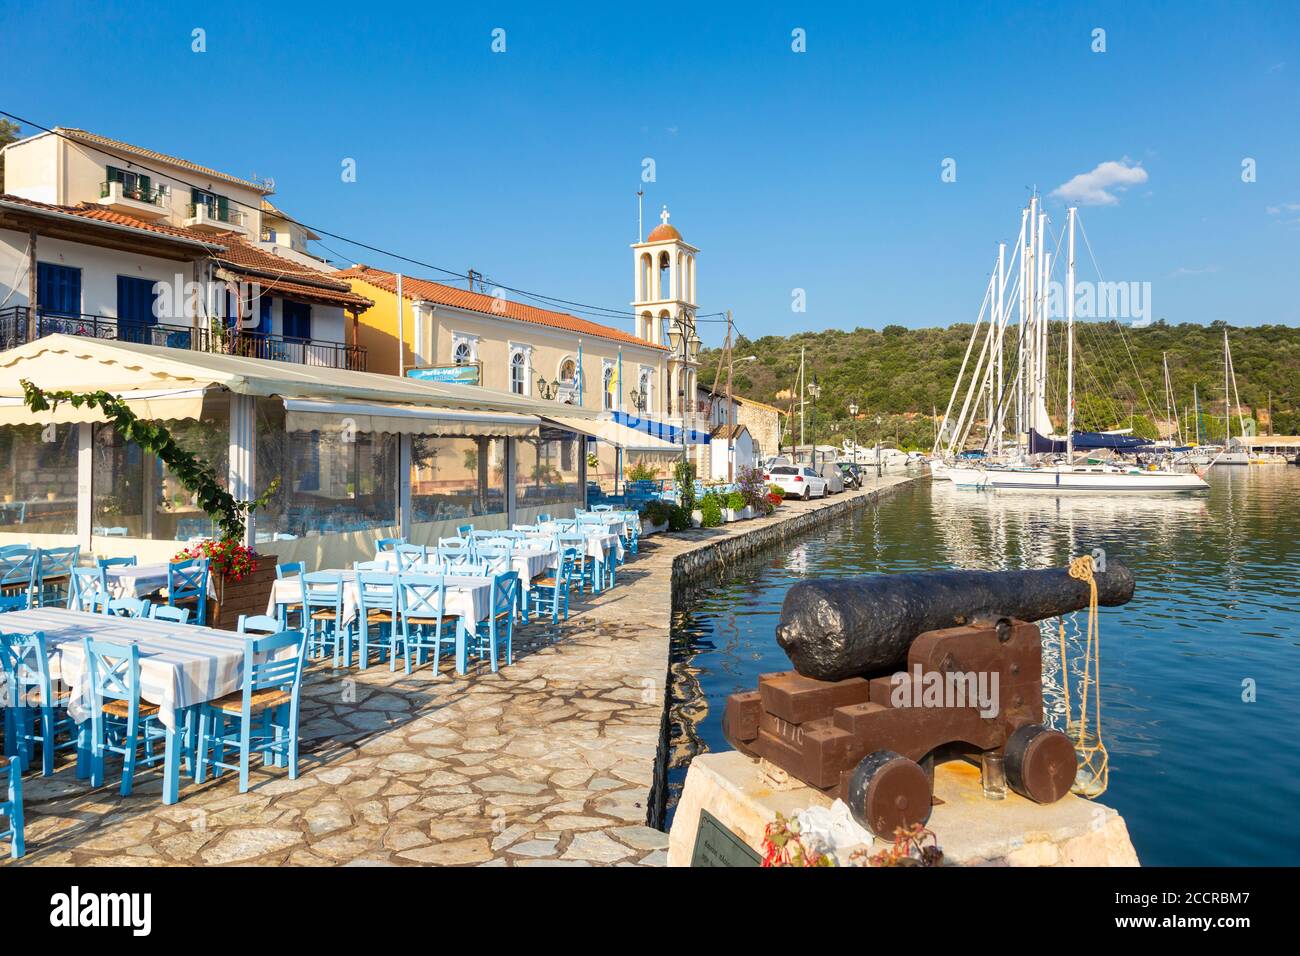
1094	762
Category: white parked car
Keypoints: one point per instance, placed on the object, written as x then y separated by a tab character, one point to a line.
797	481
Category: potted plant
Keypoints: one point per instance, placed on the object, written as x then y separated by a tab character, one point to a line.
737	509
710	511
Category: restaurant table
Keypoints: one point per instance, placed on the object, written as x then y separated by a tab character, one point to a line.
181	665
137	580
468	598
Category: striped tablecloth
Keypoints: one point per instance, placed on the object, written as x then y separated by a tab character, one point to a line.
180	665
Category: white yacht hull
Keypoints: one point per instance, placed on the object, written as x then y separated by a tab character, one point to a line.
1063	478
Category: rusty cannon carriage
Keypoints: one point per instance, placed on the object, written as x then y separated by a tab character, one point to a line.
894	670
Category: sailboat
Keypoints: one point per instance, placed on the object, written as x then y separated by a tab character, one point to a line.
1233	451
1030	470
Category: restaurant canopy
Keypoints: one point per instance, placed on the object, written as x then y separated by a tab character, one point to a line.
150	374
620	436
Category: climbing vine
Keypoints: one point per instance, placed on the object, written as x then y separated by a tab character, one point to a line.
228	512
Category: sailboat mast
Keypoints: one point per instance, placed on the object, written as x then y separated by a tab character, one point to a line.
1069	338
1020	352
1001	321
1227	396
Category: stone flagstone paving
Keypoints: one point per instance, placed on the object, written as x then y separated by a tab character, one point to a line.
549	762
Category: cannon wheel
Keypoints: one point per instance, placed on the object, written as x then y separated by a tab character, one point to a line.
1041	763
887	791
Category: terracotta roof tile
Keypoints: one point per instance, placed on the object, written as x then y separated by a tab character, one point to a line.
247	259
231	250
95	139
99	214
423	289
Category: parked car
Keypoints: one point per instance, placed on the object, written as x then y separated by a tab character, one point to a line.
797	481
834	478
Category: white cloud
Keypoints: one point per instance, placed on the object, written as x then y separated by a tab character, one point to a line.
1283	207
1097	188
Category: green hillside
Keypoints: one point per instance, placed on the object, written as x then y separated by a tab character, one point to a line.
899	375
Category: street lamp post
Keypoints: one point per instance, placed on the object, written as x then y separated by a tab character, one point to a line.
879	438
853	413
814	390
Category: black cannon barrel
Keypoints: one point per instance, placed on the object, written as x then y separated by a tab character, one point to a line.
835	628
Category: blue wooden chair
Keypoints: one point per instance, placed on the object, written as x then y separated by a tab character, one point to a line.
84	584
130	561
409	555
584	565
544	518
120	722
499	626
550	592
284	572
470	569
388	544
422	602
464	530
11	808
187	586
127	607
495	556
258	624
162	612
602	508
35	713
18	569
454	551
377	608
54	572
262	717
322	598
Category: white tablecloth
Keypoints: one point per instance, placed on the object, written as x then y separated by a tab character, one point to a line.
599	543
527	562
137	580
467	597
180	665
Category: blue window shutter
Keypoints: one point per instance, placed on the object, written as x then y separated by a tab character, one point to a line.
296	319
58	289
135	300
264	316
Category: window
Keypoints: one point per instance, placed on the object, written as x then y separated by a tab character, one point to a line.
330	484
135	301
607	388
456	478
218	207
38	478
58	289
569	371
644	387
296	319
462	354
518	373
134	185
547	473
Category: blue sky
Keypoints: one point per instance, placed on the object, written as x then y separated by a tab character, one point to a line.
816	170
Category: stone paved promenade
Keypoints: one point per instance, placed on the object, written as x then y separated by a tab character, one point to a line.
548	762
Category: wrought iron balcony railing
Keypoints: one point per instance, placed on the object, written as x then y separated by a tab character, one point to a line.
154	197
215	213
18	325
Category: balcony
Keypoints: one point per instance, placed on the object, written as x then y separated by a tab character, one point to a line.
205	218
18	326
133	200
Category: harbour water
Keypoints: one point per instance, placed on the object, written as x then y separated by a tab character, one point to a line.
1200	673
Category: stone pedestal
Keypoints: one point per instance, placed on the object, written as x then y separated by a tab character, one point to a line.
971	830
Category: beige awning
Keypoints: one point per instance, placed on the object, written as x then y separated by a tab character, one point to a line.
76	362
304	415
156	405
620	436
